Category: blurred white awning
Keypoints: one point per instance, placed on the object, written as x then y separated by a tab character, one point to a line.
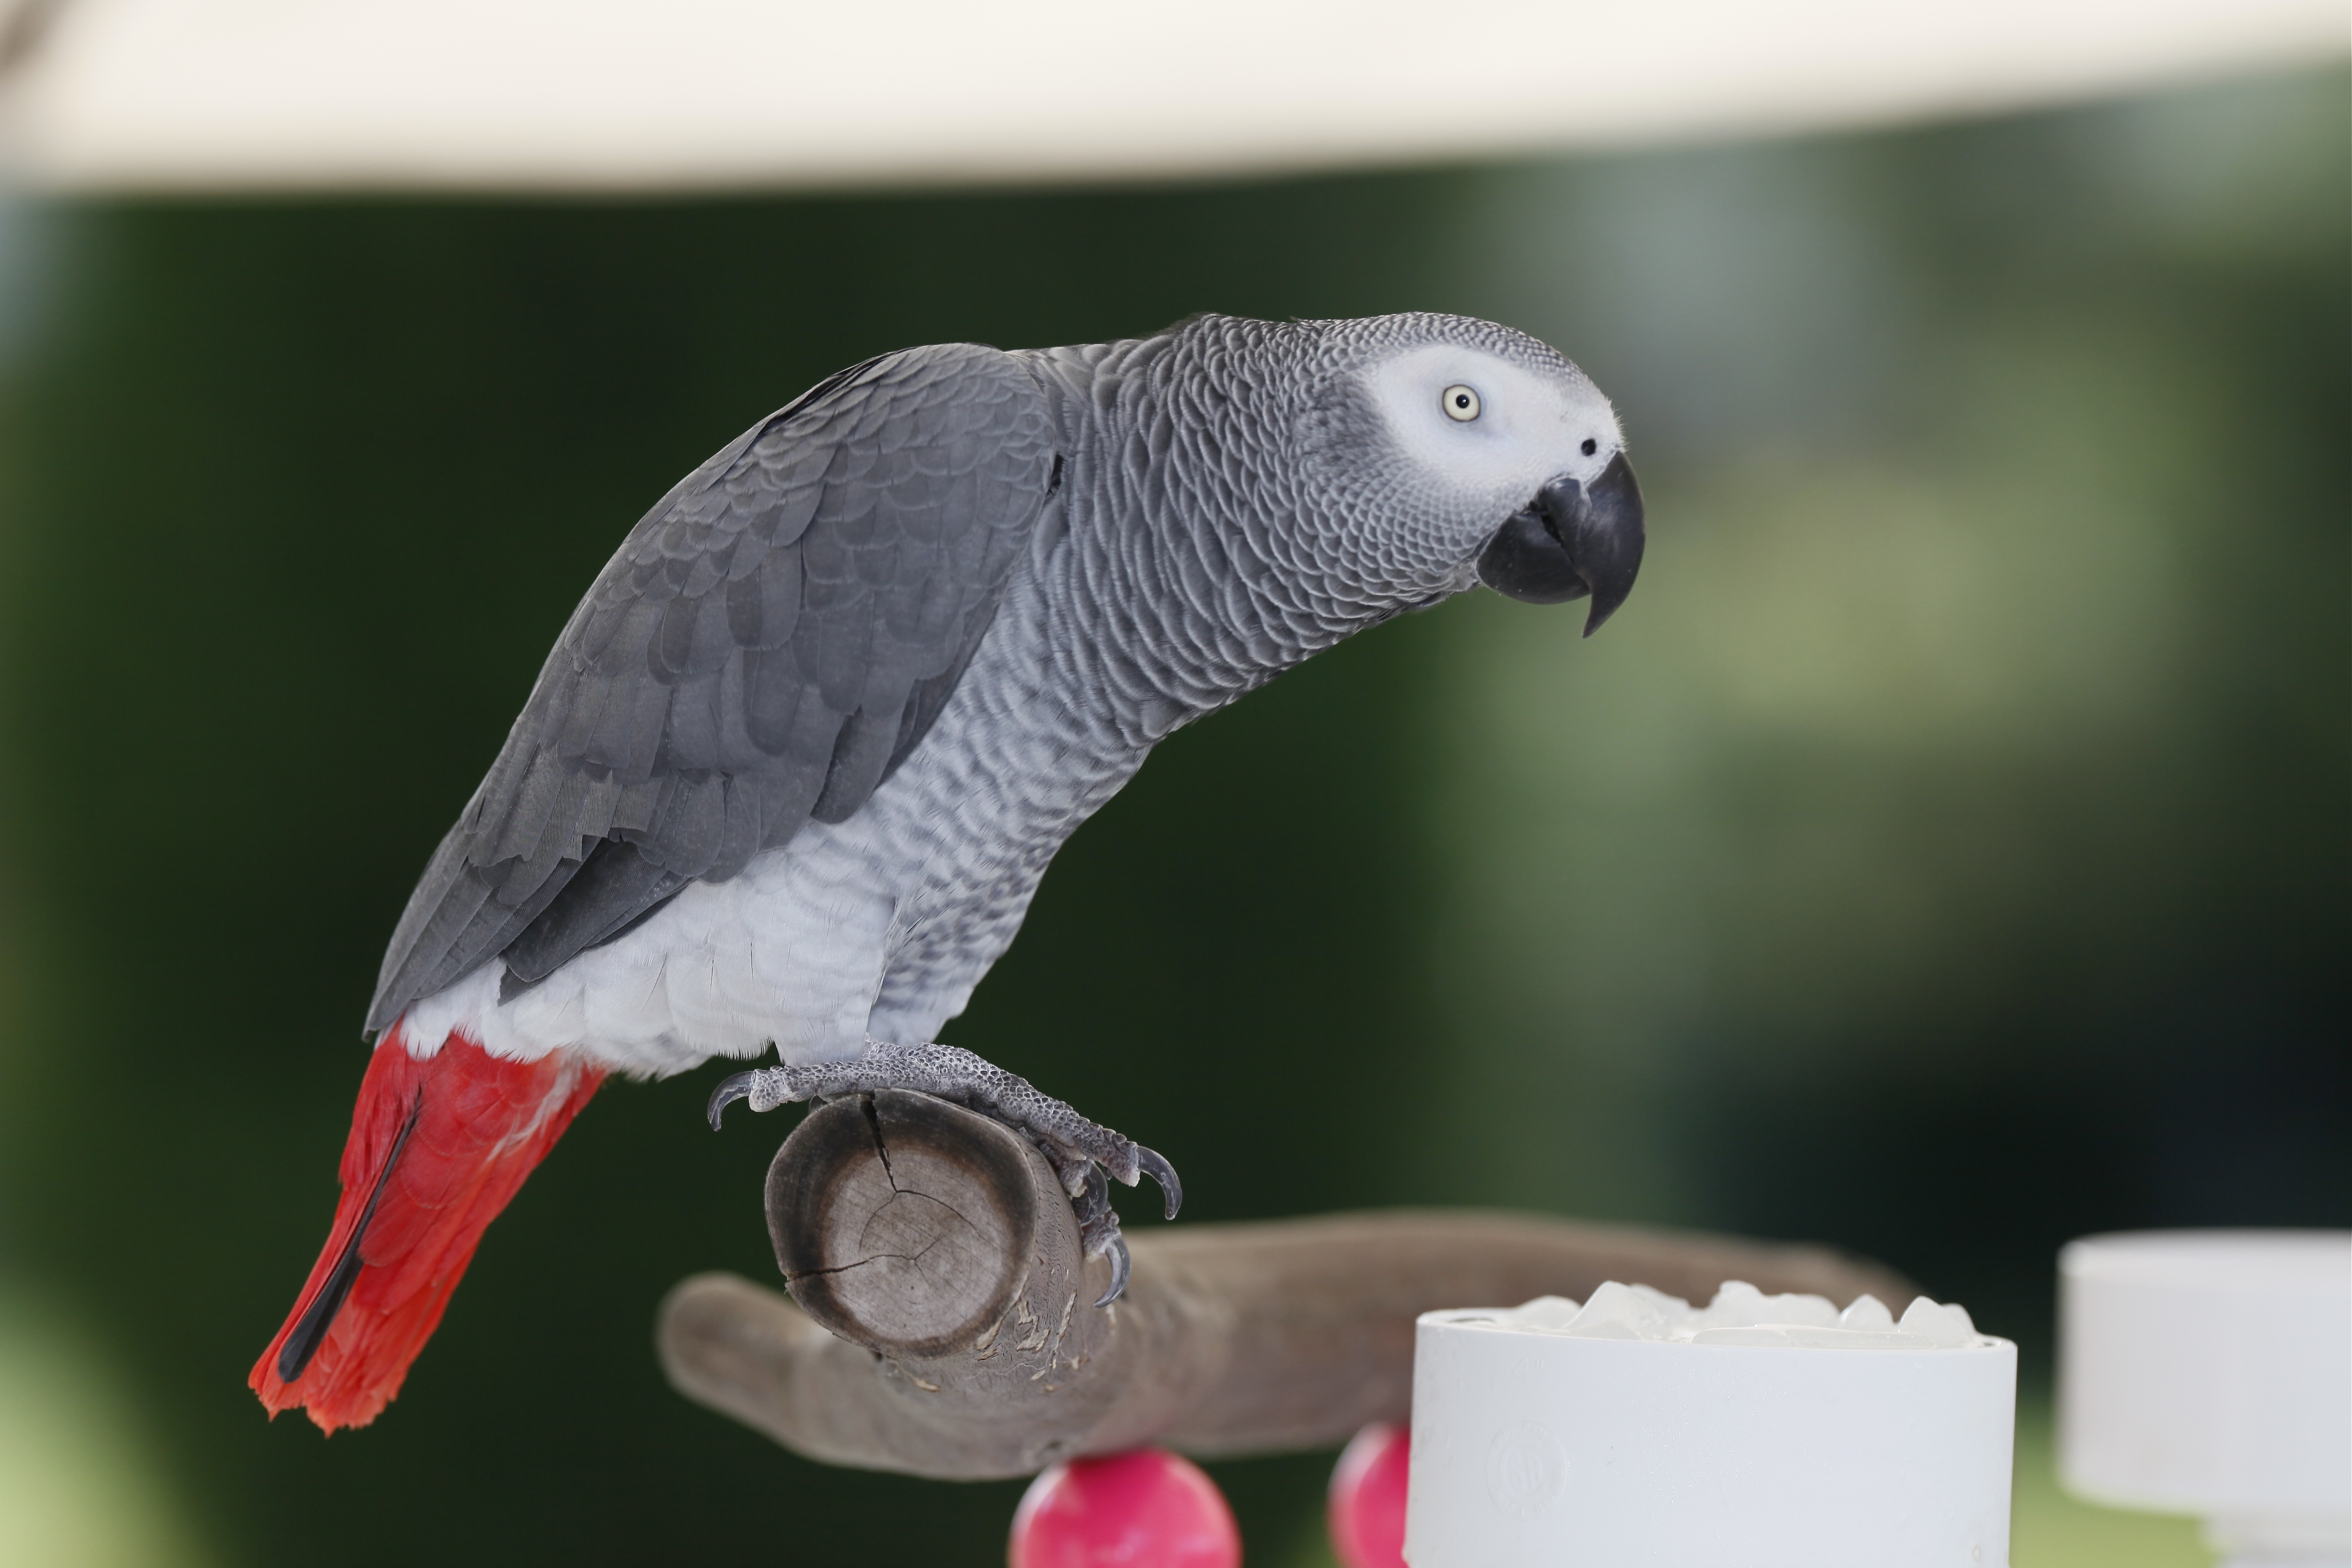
621	95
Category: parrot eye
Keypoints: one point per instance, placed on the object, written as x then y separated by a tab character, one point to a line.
1590	446
1460	403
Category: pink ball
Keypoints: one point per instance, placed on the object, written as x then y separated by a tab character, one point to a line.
1149	1508
1367	1509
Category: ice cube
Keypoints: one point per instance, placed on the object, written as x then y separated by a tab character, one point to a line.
1807	1312
1547	1312
1740	1305
1622	1312
1867	1313
1736	1306
1667	1306
1937	1324
1797	1336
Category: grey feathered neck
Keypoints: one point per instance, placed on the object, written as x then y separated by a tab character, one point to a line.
1172	546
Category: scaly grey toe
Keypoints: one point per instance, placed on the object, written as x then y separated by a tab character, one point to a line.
1081	1152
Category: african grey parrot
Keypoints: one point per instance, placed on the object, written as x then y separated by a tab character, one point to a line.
794	769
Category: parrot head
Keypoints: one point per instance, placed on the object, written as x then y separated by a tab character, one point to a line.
1442	450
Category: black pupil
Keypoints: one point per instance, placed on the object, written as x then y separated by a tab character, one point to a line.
1590	446
1461	400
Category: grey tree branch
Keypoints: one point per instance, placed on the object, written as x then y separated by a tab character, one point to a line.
943	1326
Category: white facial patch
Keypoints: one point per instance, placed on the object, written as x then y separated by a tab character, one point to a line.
1528	427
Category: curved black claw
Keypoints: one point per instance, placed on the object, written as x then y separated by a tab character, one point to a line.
733	1088
1171	1191
1120	1267
1093	1198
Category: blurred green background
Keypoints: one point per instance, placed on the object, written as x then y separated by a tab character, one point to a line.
1944	854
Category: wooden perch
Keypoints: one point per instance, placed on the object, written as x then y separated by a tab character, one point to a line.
944	1326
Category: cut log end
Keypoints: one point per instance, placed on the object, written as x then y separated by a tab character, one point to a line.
910	1226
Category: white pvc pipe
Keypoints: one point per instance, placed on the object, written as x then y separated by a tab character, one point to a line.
1544	1450
2210	1372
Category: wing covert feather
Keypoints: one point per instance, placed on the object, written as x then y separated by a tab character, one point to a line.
766	646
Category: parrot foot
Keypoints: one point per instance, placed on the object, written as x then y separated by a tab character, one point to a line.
1082	1153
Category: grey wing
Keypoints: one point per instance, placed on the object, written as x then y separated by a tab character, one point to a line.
766	646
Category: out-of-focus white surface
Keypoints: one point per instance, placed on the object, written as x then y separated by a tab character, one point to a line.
519	94
1532	1448
2210	1372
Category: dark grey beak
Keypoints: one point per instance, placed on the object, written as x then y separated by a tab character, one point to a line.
1572	542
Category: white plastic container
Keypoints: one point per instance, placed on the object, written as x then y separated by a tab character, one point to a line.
2210	1372
1548	1449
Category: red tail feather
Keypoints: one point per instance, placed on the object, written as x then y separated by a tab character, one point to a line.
436	1149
